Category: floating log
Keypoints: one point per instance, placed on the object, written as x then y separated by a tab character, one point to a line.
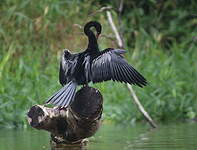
70	125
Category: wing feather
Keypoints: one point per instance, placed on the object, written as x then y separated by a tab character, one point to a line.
125	74
110	65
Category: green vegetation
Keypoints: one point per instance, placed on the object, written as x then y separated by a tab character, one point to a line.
160	39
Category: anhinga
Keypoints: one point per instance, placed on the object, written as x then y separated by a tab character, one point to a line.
94	66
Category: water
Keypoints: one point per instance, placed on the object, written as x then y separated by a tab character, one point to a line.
166	137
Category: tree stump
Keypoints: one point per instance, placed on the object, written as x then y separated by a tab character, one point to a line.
72	125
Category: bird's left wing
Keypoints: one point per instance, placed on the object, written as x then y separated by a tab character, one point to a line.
110	65
67	65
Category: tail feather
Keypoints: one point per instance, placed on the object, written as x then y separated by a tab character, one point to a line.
60	99
55	96
71	96
64	96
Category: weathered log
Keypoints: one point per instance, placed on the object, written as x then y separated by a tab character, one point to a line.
73	124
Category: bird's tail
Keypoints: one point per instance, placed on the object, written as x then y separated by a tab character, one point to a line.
64	96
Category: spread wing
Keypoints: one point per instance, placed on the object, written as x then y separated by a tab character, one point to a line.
110	65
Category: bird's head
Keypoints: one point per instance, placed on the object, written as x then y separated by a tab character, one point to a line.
98	29
95	24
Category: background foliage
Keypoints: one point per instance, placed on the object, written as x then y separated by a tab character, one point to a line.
160	37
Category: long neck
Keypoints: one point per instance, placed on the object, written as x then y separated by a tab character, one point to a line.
92	41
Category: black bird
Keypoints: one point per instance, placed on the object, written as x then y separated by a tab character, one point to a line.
94	66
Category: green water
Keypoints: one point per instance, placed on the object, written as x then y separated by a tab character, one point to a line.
111	137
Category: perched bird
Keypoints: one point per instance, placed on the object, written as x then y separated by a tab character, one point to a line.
94	66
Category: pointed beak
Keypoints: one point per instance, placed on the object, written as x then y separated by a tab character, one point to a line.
97	36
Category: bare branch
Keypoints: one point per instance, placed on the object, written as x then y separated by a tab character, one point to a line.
140	107
121	6
119	40
101	10
135	98
78	26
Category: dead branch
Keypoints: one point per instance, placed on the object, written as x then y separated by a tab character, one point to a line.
101	10
135	98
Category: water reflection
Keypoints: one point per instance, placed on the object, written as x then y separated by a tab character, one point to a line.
66	147
177	136
77	146
166	137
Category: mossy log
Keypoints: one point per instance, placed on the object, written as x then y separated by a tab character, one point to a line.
73	124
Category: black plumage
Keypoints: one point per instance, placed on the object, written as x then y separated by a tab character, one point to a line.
94	66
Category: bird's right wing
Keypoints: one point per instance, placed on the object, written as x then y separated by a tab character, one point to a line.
110	65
